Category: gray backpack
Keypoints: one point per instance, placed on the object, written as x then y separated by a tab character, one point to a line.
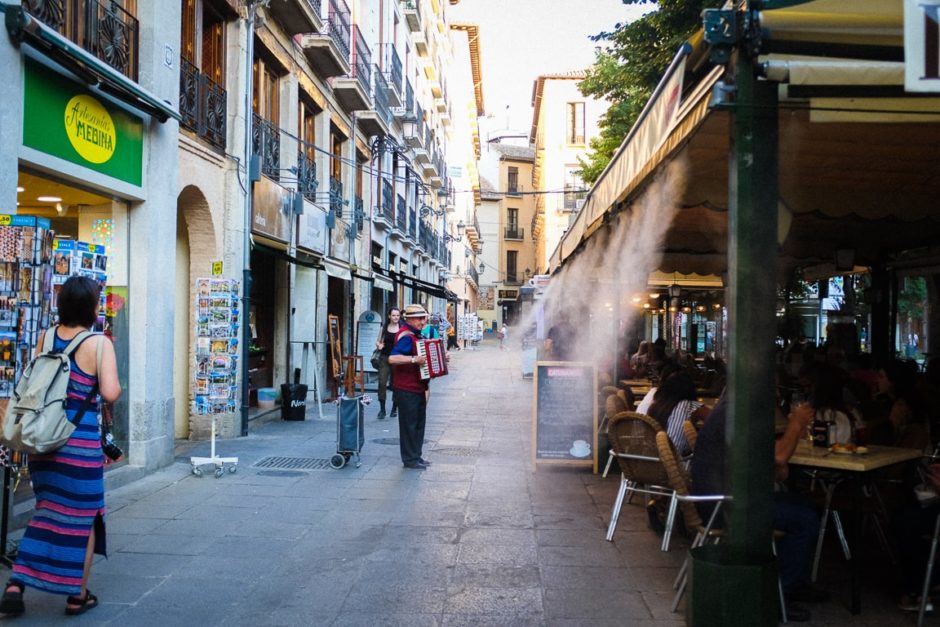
35	420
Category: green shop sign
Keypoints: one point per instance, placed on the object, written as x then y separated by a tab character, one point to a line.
63	119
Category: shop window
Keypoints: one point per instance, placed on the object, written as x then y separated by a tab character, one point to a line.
91	238
265	102
203	100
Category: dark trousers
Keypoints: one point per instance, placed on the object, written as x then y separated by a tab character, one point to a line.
794	515
412	415
913	532
385	378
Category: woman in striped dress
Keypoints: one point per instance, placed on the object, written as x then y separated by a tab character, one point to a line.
67	527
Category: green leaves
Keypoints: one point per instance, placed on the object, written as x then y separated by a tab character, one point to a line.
627	71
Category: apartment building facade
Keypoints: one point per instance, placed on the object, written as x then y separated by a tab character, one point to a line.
304	140
563	123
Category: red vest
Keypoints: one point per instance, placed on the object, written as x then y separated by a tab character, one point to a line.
407	377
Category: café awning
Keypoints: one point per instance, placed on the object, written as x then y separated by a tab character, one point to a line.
859	159
337	269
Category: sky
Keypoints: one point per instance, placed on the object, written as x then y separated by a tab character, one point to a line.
522	39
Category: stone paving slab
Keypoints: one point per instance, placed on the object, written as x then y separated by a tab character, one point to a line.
479	539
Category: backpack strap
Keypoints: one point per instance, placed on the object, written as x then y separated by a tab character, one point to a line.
48	339
76	341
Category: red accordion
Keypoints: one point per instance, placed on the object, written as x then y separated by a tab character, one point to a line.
435	364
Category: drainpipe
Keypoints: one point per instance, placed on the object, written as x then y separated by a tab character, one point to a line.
246	261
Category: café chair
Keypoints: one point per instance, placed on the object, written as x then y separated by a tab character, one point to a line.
704	531
930	562
691	434
632	439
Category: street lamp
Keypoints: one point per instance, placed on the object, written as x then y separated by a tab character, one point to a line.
427	210
409	126
450	238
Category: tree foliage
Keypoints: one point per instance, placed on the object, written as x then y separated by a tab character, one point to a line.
628	68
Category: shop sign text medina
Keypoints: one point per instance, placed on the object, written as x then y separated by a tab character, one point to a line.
66	120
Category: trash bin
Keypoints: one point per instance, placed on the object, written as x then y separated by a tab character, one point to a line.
293	401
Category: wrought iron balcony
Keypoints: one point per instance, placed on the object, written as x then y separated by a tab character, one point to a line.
393	74
329	51
297	16
387	200
103	28
413	226
360	213
337	26
202	104
472	273
401	216
336	196
307	182
412	11
409	97
266	143
380	98
361	60
388	210
514	232
353	91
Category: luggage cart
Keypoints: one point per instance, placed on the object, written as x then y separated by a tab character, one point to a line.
349	431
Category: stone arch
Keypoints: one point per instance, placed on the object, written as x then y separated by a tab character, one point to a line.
194	213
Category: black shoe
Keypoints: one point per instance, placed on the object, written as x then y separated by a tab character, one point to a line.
807	593
424	461
394	413
797	613
12	602
381	415
416	466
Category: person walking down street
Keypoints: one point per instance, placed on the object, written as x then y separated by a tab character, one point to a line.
67	527
503	337
409	388
384	344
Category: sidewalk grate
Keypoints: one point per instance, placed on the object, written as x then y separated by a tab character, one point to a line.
458	451
293	463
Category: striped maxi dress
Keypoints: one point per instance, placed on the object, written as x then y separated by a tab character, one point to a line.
69	488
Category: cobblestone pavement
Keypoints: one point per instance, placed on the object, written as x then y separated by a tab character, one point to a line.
477	539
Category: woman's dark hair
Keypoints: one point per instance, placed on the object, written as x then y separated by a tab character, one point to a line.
78	302
828	387
678	387
388	316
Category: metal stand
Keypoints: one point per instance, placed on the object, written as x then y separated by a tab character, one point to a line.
6	558
218	462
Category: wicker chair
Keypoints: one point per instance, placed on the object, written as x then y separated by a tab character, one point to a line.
615	405
704	531
632	439
691	434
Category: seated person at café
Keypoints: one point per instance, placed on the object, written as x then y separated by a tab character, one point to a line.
829	402
908	414
647	401
640	359
673	404
793	514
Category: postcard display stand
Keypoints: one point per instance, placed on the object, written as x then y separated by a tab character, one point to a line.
25	309
215	389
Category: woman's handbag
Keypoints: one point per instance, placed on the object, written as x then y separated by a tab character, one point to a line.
376	358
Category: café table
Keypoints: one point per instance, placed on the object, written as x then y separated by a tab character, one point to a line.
857	466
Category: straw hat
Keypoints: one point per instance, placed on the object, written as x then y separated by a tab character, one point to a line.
415	311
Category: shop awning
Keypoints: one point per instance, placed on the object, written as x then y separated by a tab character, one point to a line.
431	289
383	282
337	269
857	170
301	260
22	27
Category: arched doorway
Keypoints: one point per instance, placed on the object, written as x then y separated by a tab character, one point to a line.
195	252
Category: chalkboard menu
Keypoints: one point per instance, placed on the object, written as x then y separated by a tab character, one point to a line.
565	424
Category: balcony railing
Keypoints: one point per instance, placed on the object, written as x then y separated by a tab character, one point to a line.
514	232
413	225
380	97
307	173
388	210
472	271
315	6
401	217
202	104
512	277
362	61
360	213
387	201
337	26
103	28
266	143
336	196
393	68
409	96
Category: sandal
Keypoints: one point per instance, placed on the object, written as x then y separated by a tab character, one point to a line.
79	605
12	602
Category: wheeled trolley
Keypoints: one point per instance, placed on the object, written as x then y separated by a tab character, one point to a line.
349	431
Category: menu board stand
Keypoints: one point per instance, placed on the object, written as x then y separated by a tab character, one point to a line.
564	427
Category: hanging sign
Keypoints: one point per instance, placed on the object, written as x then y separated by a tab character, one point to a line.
921	41
216	268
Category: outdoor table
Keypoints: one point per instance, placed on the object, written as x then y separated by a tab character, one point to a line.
857	466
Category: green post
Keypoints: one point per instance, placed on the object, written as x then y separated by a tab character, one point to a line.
744	560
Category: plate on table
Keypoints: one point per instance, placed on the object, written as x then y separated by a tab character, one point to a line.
848	449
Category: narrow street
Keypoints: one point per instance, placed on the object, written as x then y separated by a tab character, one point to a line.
476	539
